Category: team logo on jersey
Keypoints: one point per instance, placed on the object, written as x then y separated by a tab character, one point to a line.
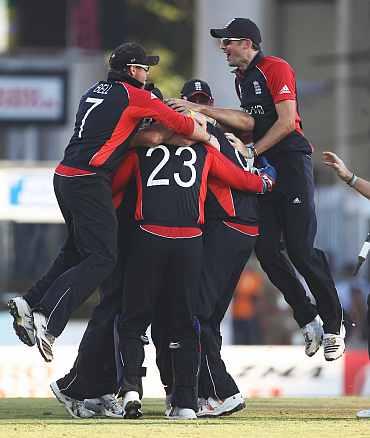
102	88
285	90
257	87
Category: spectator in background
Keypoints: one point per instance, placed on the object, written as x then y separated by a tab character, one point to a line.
362	186
359	184
245	324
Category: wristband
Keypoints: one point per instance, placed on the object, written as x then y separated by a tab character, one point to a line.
353	180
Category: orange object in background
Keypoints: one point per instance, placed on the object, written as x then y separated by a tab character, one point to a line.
248	289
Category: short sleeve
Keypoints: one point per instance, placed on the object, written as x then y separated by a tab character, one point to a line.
281	81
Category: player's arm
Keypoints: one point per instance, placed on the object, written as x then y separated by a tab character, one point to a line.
284	125
359	184
223	169
234	119
149	106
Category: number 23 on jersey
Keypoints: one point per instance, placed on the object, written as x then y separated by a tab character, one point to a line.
153	181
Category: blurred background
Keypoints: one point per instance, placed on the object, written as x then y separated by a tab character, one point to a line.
51	51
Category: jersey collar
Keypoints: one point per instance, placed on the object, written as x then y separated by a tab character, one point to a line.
123	76
241	74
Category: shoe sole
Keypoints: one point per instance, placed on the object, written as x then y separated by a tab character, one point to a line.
20	331
132	410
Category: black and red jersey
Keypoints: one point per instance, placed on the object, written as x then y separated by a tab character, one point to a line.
108	115
223	202
267	81
172	182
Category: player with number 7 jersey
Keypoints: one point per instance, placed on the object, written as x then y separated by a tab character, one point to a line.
166	255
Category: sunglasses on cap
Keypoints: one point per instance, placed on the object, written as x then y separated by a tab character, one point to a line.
227	41
144	67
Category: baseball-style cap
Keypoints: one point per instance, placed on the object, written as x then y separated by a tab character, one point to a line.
196	86
130	54
239	28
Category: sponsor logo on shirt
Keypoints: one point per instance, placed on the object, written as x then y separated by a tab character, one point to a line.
257	87
285	90
254	110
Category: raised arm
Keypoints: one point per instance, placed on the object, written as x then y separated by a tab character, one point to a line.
359	184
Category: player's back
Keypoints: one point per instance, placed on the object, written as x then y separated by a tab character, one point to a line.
98	117
173	185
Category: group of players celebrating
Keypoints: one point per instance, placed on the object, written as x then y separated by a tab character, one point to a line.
163	209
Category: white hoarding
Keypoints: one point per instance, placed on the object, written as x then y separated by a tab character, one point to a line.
27	195
259	371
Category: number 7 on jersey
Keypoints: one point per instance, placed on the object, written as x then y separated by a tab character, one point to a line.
96	102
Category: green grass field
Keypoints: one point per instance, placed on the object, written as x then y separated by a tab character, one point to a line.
263	418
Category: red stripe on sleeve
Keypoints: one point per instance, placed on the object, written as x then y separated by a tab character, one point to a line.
225	170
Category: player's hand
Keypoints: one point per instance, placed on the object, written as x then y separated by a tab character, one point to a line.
198	117
332	160
267	173
181	105
245	150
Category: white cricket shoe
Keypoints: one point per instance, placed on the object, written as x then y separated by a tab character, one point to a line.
22	320
313	336
44	340
106	405
168	406
334	345
75	408
132	405
181	414
216	408
365	413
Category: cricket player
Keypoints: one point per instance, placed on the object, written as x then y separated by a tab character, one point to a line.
266	87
